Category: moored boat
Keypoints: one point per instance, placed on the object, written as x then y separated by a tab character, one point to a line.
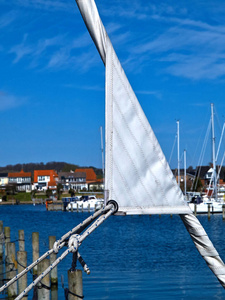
86	203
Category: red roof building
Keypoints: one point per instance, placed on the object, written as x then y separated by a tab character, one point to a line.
44	179
90	174
21	179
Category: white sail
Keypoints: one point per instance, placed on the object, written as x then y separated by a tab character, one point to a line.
138	177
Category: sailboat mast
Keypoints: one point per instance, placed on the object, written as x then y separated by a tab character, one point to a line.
185	174
178	152
102	150
213	153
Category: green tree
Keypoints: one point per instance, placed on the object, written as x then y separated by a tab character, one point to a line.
48	193
71	192
10	189
59	190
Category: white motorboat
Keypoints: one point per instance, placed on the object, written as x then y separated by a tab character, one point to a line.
86	203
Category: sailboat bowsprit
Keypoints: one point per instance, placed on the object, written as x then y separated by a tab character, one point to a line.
138	179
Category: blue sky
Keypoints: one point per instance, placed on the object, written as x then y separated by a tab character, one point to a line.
52	78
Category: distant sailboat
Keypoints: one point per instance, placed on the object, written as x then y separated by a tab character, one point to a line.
137	176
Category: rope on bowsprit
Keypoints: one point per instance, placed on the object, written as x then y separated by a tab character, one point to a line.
71	240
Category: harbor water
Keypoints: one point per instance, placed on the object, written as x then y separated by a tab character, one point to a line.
133	257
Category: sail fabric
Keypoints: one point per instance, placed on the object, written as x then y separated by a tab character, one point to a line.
137	175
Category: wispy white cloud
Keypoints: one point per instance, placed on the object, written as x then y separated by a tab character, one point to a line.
157	94
7	19
34	50
49	5
8	101
192	49
59	52
85	87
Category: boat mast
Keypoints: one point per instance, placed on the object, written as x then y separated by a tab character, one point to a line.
213	154
103	162
185	174
178	153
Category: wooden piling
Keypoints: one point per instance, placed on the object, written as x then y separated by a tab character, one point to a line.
1	273
223	208
53	256
77	207
75	284
21	240
209	211
195	209
54	292
22	264
11	269
44	293
1	240
71	206
35	247
7	238
89	207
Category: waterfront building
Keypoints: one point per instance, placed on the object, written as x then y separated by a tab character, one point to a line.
3	180
73	180
45	179
21	180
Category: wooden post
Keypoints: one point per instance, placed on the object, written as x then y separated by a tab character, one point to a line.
43	293
53	256
35	247
54	292
11	269
1	273
7	238
71	203
223	208
1	240
195	209
95	207
75	284
209	211
89	207
77	207
82	207
22	264
21	240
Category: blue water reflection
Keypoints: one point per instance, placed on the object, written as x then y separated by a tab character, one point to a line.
134	257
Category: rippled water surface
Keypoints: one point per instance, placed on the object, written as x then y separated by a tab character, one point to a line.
133	257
